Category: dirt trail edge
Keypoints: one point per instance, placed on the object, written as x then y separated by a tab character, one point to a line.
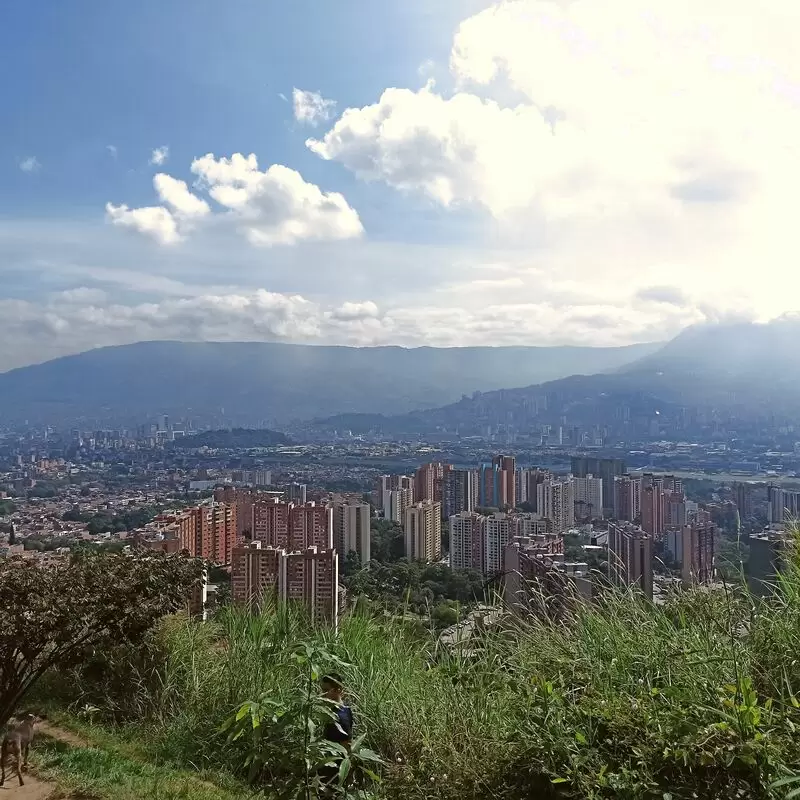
35	789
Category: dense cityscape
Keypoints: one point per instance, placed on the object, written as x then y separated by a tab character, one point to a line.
275	519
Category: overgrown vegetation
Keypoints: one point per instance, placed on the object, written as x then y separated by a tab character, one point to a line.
54	616
696	698
110	521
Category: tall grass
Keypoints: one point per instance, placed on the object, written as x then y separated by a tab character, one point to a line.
692	699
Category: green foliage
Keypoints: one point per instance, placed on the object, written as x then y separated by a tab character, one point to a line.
287	748
110	772
415	586
387	542
110	522
236	439
52	616
43	491
693	698
7	507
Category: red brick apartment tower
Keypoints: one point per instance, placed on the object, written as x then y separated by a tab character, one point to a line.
271	523
217	524
243	499
312	577
311	525
257	573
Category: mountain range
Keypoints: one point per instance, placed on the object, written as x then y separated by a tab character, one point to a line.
743	370
746	368
224	384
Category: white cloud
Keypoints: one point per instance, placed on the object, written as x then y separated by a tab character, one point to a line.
271	207
153	221
275	206
311	108
625	144
159	156
112	150
176	194
30	164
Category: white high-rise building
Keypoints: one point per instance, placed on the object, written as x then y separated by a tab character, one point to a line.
351	530
588	497
556	501
500	530
466	534
422	525
395	502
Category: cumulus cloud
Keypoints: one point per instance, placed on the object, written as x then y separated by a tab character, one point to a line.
30	164
311	108
153	221
177	196
671	295
159	156
632	111
271	207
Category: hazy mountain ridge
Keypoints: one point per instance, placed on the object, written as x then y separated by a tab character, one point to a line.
243	383
754	369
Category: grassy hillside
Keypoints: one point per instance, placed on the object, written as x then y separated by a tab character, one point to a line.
693	699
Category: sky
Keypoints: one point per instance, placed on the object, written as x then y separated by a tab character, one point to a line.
409	172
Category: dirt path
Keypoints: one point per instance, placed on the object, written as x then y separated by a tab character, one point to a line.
35	789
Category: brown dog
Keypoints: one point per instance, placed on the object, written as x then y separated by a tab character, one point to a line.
17	741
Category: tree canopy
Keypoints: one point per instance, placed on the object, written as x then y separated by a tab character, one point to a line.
51	616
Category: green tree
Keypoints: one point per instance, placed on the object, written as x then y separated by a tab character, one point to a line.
52	616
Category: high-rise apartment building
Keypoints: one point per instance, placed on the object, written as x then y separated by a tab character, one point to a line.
394	503
556	501
499	530
743	493
428	482
497	487
293	527
652	502
604	468
296	493
507	469
588	497
466	534
388	483
351	530
531	478
311	525
310	577
271	523
630	557
217	532
459	492
782	504
627	498
422	525
207	531
256	573
692	546
767	553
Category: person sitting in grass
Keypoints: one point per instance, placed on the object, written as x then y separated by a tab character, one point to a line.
339	729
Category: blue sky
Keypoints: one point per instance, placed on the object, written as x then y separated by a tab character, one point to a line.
519	172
